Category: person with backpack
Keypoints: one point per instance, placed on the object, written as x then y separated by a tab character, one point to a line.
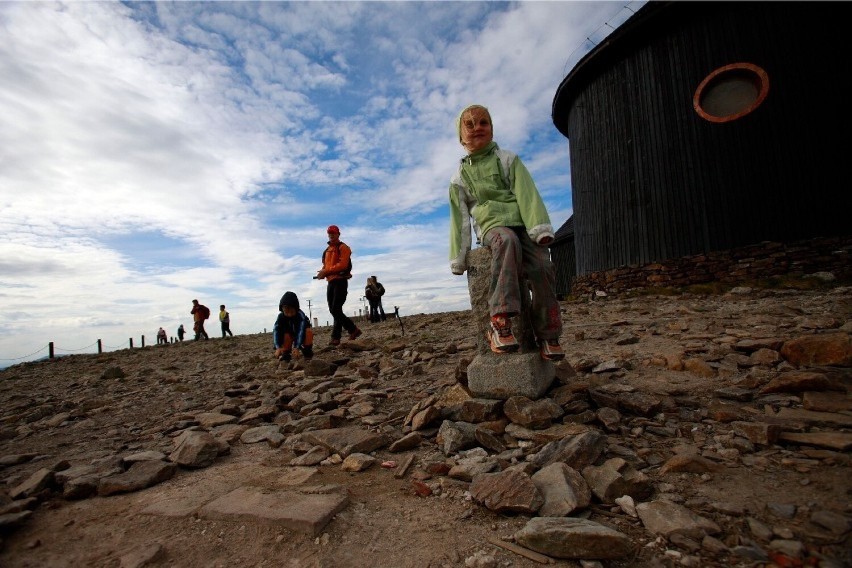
381	291
225	320
374	291
493	187
337	270
199	312
372	297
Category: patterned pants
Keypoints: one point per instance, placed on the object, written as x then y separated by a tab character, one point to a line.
516	259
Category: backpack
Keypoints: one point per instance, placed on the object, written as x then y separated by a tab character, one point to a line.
345	273
205	311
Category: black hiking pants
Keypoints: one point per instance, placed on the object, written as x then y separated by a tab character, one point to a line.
336	296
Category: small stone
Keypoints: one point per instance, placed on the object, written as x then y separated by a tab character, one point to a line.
750	552
627	505
783	510
792	548
783	532
713	545
758	529
833	522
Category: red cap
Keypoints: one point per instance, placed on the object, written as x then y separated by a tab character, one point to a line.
332	229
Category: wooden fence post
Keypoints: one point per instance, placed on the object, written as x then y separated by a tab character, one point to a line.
50	350
100	347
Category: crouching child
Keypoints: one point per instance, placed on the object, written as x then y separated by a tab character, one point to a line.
292	334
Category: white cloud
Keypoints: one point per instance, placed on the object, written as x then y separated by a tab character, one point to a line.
152	153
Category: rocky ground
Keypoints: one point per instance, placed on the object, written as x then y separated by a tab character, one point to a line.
684	430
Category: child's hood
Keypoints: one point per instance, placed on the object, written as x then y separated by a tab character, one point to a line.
288	299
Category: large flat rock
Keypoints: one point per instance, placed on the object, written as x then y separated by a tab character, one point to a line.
184	496
304	513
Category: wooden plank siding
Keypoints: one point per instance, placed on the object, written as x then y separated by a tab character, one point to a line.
652	180
564	259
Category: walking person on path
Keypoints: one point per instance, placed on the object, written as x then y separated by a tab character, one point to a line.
372	300
495	188
374	291
180	332
381	290
337	270
199	312
225	320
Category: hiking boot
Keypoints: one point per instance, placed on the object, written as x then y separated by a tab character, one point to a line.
500	335
308	352
334	342
356	333
551	350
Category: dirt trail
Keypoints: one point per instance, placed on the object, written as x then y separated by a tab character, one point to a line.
676	348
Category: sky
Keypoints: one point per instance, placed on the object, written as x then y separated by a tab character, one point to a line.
152	153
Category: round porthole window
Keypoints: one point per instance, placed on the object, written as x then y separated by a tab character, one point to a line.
731	92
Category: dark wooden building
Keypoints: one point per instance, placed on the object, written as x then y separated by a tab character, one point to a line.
708	126
563	257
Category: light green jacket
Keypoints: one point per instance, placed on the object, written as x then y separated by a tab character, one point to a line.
493	187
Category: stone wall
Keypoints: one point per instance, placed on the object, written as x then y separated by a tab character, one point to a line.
754	262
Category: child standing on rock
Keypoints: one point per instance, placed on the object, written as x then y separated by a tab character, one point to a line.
292	334
494	188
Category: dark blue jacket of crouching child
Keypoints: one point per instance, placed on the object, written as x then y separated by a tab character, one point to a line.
296	326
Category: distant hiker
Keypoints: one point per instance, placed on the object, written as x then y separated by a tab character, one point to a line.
162	337
292	334
225	320
374	291
180	332
337	270
495	188
372	299
199	312
381	290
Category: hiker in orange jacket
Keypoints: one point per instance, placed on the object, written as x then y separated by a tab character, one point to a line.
337	270
199	312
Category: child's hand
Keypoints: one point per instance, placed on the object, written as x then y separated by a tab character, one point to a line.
321	274
279	352
457	268
297	353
